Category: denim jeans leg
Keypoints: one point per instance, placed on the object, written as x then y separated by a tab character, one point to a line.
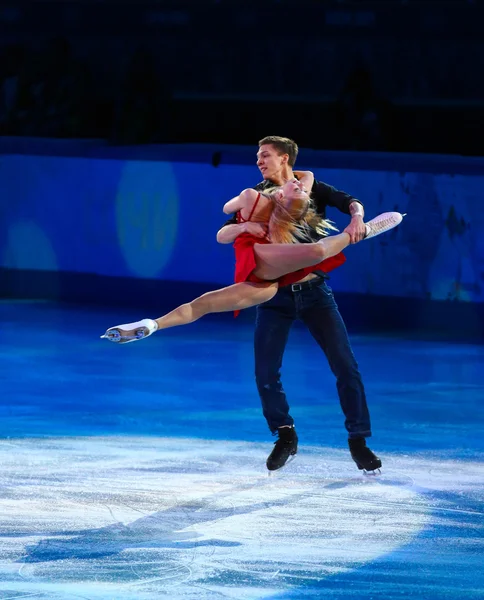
273	322
319	311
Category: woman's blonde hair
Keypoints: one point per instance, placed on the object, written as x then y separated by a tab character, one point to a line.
291	224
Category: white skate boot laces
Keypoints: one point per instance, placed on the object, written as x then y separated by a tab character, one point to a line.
382	223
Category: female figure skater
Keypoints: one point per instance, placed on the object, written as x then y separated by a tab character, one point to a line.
264	264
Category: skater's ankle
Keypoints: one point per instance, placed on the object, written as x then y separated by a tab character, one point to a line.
357	441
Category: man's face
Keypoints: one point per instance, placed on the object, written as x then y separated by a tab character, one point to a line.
270	163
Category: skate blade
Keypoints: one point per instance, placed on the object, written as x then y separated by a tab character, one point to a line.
289	460
115	335
372	473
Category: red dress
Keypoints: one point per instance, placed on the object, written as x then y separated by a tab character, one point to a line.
245	261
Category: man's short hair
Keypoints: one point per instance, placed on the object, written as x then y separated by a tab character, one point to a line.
283	145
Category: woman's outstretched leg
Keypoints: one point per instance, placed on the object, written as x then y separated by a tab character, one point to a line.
234	297
276	260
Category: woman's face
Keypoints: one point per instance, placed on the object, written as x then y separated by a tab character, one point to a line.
293	191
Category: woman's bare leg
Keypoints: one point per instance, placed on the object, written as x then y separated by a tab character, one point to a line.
276	260
234	297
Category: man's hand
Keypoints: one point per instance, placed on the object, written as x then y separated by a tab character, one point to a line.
257	229
356	229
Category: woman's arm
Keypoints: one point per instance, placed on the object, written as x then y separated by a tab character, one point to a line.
306	178
228	233
232	206
244	200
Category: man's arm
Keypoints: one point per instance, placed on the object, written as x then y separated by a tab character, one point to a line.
356	209
356	229
326	195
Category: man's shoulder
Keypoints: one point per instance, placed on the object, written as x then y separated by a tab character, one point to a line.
263	185
318	184
320	190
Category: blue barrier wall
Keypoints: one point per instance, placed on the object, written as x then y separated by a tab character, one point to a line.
156	219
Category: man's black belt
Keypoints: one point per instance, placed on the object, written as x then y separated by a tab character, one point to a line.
306	285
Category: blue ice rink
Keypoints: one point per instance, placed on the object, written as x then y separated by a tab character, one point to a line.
138	471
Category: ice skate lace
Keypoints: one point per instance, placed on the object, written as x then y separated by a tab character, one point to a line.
381	225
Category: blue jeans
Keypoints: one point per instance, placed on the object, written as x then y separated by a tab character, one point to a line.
317	309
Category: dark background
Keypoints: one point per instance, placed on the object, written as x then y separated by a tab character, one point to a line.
392	75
